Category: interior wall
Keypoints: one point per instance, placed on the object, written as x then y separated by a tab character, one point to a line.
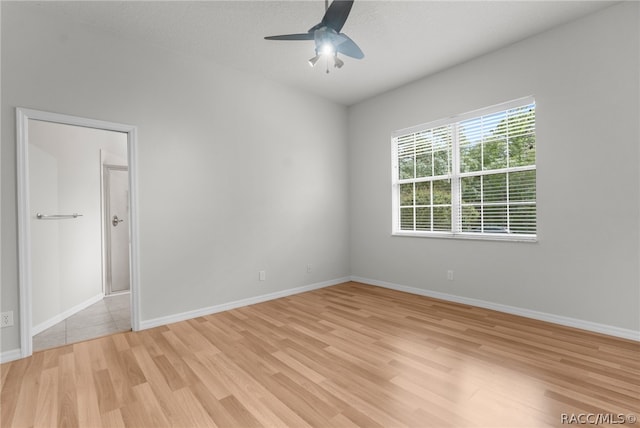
66	255
585	265
240	174
45	250
237	174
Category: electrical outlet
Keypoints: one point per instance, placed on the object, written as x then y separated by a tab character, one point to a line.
6	320
309	269
450	275
262	275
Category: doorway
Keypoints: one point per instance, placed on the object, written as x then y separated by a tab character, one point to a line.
61	215
116	230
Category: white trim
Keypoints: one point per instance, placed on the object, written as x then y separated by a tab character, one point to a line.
134	228
102	223
24	233
468	236
527	313
169	319
66	314
12	355
464	116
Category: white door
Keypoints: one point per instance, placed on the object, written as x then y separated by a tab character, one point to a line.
117	227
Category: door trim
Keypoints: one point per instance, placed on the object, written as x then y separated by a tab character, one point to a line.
24	229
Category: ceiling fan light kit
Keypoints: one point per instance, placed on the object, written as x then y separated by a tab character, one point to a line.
328	39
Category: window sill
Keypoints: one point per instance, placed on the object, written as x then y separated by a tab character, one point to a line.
469	236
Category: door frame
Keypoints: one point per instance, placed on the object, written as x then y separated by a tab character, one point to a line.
106	190
24	228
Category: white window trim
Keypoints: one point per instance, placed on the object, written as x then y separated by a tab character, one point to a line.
464	116
455	177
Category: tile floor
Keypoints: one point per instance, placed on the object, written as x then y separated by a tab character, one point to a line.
110	315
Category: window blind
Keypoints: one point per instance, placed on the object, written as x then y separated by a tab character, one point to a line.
474	175
424	177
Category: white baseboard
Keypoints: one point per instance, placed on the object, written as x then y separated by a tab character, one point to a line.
66	314
14	354
169	319
528	313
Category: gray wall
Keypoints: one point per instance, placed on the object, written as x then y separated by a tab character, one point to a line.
584	77
236	173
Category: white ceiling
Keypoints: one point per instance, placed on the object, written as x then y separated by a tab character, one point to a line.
402	40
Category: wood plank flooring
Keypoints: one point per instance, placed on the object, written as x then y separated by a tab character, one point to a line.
342	356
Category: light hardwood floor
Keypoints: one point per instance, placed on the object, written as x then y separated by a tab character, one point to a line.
343	356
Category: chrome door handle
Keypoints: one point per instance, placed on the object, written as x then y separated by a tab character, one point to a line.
116	220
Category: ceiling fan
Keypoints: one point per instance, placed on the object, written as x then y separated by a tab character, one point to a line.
327	36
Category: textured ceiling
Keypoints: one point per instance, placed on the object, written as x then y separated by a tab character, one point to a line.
402	40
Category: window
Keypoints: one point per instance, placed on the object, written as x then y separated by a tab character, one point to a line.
470	176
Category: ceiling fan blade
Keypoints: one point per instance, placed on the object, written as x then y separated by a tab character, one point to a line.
300	36
337	14
348	47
